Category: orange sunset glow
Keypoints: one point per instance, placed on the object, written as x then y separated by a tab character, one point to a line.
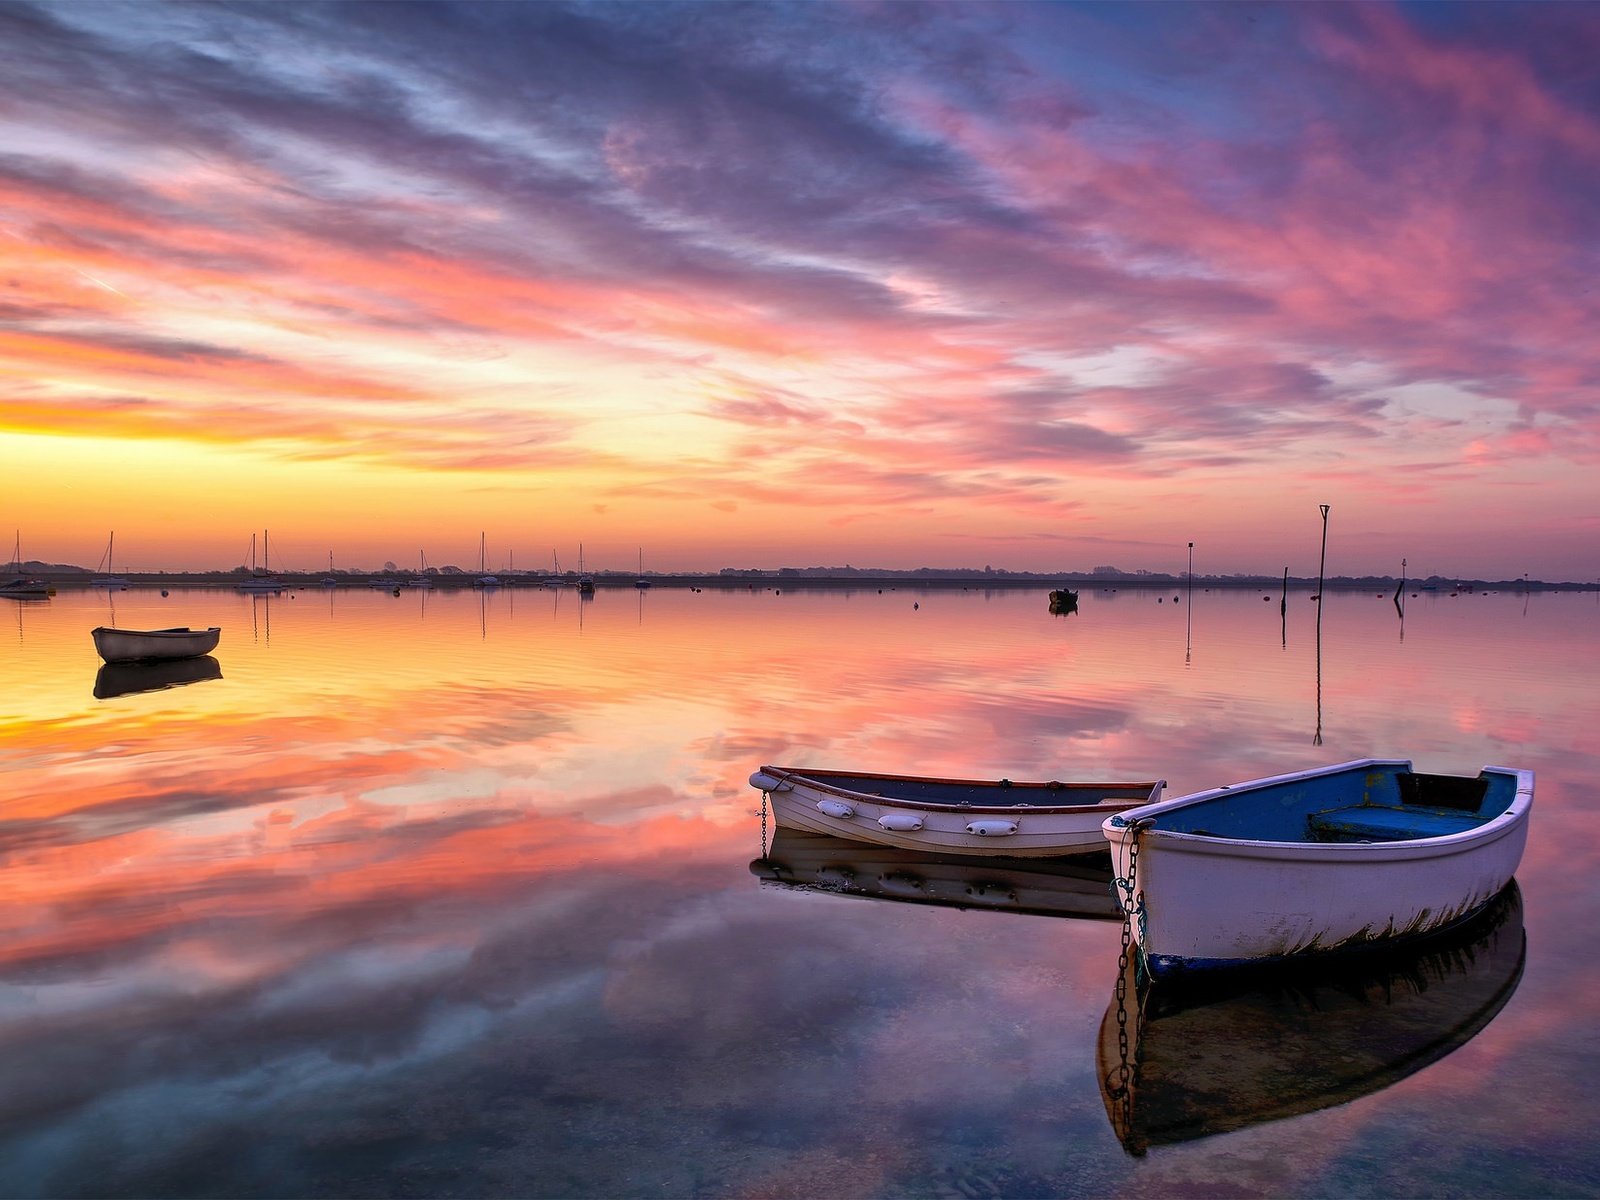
381	277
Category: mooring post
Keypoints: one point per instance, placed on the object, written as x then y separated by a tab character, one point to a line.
1188	627
1283	608
1323	564
1321	574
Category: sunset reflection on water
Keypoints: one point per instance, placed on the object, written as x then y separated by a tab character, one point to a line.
451	891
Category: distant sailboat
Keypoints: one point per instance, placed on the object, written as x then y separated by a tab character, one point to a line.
485	580
328	580
20	586
641	582
585	580
555	579
422	579
261	580
110	580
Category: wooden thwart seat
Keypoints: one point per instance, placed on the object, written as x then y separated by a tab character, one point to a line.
1371	823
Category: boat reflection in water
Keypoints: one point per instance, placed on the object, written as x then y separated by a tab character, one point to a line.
1180	1061
122	679
1075	887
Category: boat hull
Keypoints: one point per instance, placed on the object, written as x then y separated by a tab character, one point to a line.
1202	902
154	645
1014	820
26	589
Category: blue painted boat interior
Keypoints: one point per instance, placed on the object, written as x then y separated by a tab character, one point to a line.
998	794
1380	802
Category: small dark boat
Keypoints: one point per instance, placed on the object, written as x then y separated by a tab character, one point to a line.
22	588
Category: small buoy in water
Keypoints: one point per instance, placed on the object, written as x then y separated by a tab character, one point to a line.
163	591
1266	597
1161	599
916	606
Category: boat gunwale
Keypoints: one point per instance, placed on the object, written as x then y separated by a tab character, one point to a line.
176	631
798	777
1442	845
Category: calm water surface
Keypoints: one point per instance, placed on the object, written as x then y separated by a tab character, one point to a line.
464	895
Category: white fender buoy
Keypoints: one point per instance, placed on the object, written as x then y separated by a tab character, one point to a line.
769	783
994	828
897	822
836	808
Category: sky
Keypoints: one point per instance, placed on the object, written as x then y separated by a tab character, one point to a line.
1043	287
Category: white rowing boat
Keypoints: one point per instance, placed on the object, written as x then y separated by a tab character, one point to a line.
1332	859
150	645
957	816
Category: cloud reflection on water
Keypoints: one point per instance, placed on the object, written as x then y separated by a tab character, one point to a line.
480	917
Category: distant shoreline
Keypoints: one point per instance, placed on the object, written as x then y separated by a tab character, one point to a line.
799	580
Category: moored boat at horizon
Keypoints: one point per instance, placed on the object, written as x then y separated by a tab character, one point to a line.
958	816
153	645
110	581
20	586
1329	860
24	588
262	580
485	580
585	580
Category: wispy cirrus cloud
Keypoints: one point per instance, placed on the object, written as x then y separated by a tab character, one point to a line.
949	251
